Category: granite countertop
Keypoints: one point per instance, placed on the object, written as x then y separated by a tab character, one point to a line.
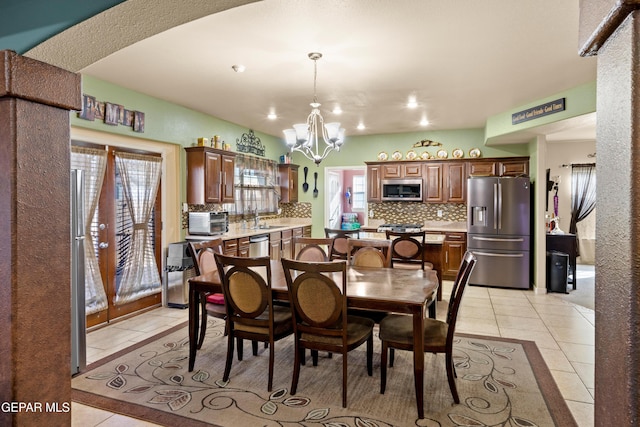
267	226
430	239
437	226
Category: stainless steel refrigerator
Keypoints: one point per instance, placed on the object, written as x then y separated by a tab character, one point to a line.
498	231
78	321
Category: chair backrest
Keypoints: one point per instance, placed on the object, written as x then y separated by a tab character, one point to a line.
202	254
459	285
319	305
369	253
312	249
246	285
407	247
339	250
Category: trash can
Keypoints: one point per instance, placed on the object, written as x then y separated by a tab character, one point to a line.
557	271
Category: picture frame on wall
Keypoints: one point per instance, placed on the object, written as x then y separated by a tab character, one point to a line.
138	121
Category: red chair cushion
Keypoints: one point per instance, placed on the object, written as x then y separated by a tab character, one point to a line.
215	299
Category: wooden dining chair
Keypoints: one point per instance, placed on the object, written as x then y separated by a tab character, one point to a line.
212	304
369	253
251	314
339	249
407	249
317	292
396	330
312	249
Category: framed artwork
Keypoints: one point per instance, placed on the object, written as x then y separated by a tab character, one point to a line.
138	121
99	110
127	119
111	113
88	107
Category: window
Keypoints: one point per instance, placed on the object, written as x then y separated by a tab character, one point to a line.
256	187
359	190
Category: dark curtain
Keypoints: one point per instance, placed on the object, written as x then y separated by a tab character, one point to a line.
583	193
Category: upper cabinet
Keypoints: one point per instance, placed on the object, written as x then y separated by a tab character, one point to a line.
209	175
288	183
512	166
402	170
444	182
374	180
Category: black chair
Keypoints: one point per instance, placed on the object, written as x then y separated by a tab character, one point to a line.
396	330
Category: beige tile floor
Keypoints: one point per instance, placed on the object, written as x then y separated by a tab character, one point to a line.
564	333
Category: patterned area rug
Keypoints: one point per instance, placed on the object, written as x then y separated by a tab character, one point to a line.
501	382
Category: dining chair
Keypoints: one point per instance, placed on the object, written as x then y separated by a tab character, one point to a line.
396	330
251	314
369	253
320	321
312	249
407	249
202	254
339	249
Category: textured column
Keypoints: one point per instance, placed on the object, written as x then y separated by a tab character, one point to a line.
611	29
35	99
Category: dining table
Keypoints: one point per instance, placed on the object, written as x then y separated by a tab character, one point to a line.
386	289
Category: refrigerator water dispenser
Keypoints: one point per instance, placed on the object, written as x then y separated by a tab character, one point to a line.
479	215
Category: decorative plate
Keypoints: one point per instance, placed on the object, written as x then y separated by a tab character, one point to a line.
396	155
474	152
442	154
457	153
425	155
411	155
382	156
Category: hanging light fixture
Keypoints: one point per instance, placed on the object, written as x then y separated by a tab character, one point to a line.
304	136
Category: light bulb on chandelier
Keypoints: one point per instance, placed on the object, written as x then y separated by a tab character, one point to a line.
304	136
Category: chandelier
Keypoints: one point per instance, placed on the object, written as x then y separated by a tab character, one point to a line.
304	136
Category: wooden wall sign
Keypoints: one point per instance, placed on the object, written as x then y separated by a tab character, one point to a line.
538	111
110	113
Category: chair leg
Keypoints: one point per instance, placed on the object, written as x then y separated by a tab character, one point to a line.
451	377
392	356
254	347
203	319
227	366
383	367
314	357
344	379
296	368
370	355
240	348
271	356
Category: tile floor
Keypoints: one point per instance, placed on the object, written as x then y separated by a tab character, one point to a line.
564	333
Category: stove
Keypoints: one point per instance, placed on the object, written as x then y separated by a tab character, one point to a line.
400	228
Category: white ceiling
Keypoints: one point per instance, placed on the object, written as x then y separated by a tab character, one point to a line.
463	60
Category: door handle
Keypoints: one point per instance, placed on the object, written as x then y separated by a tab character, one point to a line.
103	245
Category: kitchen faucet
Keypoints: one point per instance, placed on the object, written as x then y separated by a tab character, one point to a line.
257	219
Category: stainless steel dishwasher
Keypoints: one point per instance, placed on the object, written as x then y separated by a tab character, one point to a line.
259	245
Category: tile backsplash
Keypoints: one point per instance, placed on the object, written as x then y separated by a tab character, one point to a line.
289	210
410	212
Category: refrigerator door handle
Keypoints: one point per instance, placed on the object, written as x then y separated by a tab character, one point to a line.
496	239
495	206
499	196
518	255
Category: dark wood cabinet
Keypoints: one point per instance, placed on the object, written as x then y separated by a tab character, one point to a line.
306	231
275	239
288	183
230	247
402	170
209	175
455	182
432	183
453	249
484	168
285	246
243	247
374	182
513	168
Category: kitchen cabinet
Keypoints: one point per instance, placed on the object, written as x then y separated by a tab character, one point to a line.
432	188
236	247
275	240
285	247
484	168
453	249
455	182
513	168
374	179
402	170
243	247
210	175
288	183
306	231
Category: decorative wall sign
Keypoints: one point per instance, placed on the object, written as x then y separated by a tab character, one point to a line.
538	111
249	143
427	143
111	114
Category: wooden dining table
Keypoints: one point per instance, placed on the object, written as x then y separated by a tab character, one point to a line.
385	289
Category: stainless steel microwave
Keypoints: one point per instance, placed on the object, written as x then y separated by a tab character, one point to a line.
208	223
404	190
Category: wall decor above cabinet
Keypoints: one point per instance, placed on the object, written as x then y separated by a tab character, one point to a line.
249	143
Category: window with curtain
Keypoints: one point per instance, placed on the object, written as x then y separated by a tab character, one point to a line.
583	193
256	187
93	162
137	273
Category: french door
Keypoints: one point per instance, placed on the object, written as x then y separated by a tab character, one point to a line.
122	218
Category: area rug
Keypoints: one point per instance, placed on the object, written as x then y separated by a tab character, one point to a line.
501	382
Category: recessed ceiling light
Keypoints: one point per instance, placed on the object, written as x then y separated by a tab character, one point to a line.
239	68
360	126
412	103
424	122
337	110
272	116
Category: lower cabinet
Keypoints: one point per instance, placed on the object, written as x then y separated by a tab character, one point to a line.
236	247
275	240
285	246
306	231
453	249
243	247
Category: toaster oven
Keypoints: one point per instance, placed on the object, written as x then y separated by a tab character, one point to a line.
208	223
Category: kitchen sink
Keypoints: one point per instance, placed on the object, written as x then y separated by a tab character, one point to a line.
266	227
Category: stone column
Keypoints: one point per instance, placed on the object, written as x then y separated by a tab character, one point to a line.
611	29
35	99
